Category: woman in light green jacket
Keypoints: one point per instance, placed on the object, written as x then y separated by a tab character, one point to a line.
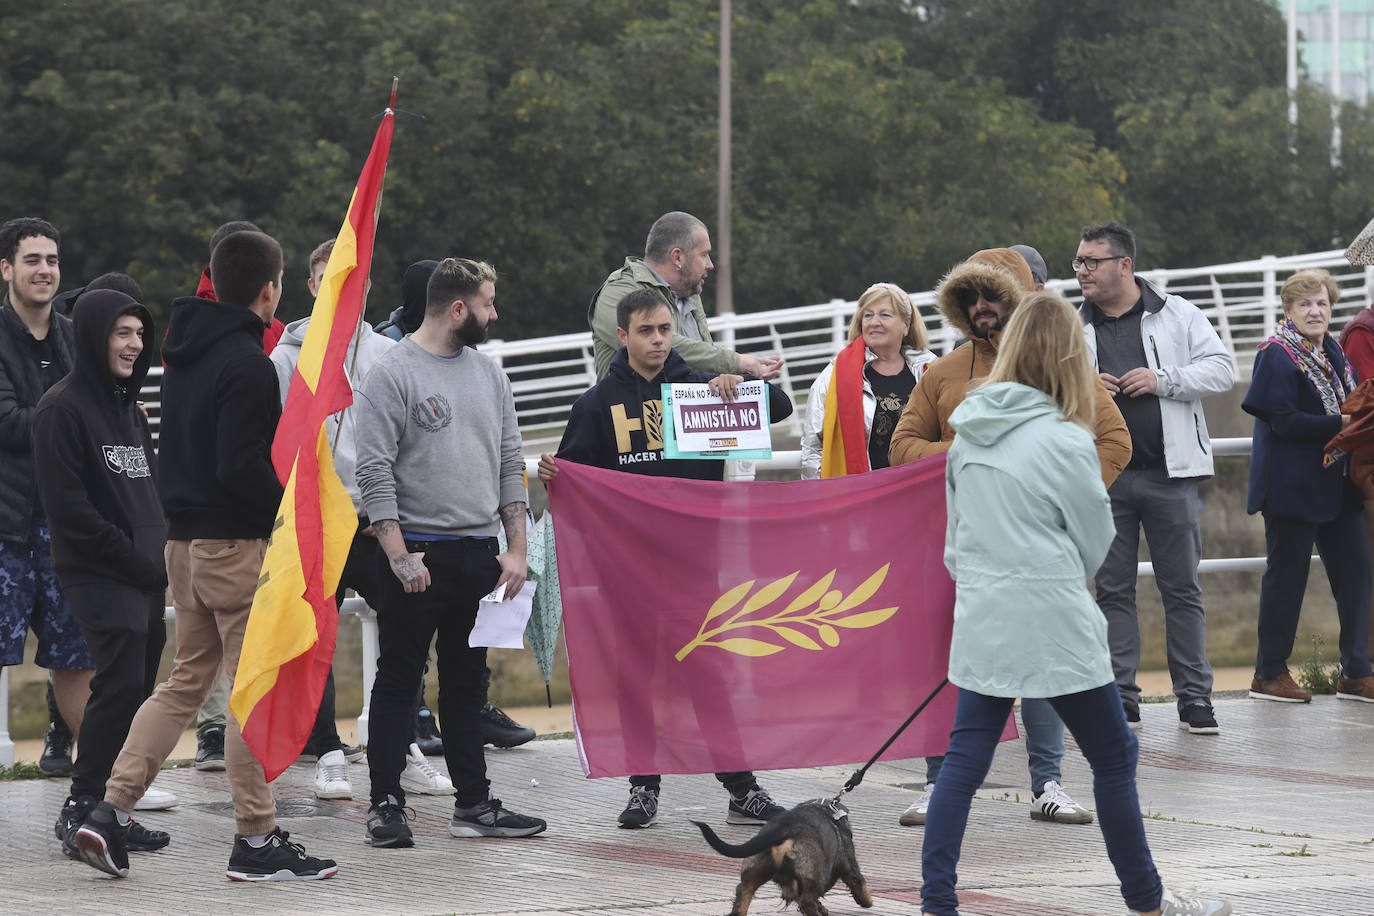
1029	523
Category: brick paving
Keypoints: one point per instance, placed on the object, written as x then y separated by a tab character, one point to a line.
1276	813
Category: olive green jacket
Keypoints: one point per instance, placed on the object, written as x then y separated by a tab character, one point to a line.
701	355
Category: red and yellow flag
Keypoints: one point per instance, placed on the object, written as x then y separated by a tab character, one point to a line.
289	644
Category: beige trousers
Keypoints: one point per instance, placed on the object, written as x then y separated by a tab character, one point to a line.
212	583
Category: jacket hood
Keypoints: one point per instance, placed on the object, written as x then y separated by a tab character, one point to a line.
196	325
674	367
414	286
93	318
990	412
998	270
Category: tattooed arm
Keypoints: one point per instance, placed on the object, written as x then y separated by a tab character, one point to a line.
408	567
513	562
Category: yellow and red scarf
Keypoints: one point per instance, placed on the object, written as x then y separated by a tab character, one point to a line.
844	440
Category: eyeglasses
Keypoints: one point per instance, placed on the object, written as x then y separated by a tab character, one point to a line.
1090	264
968	297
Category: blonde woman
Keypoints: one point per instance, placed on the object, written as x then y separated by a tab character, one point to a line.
856	401
1028	522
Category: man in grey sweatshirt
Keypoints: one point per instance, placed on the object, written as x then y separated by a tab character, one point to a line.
439	469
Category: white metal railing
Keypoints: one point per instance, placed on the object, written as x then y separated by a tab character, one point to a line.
1241	300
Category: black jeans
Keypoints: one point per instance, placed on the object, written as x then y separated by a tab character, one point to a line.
461	572
116	620
359	574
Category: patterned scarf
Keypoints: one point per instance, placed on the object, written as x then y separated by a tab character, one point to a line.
1332	387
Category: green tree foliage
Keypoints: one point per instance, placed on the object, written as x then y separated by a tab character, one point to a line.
874	139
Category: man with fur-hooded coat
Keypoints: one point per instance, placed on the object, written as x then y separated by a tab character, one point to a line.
978	297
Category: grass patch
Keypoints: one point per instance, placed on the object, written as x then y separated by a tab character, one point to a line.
21	771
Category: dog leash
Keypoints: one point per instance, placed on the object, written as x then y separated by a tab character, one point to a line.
858	776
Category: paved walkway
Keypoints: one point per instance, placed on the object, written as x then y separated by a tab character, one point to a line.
1276	813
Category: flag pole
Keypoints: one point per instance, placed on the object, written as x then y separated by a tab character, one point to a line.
367	286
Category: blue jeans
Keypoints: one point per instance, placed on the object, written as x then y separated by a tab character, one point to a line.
1098	724
1044	745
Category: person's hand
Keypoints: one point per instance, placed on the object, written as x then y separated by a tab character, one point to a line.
1139	382
725	387
369	531
514	568
1110	382
764	367
410	570
547	469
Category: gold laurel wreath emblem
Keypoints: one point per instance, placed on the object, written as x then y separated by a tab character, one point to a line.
819	610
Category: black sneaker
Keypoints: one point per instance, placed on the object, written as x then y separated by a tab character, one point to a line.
1198	719
278	859
73	813
56	759
642	811
427	736
138	838
1132	712
312	755
352	753
387	825
100	841
210	748
500	730
488	818
752	808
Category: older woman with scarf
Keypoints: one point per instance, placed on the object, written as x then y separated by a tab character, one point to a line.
1300	379
856	400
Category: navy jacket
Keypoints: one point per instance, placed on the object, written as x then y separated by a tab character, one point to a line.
1287	479
617	424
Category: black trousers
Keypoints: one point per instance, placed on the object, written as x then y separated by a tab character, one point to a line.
461	572
1344	548
359	574
122	627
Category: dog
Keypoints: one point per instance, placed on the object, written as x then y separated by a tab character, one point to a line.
804	850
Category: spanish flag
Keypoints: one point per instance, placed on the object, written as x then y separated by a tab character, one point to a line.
844	441
289	644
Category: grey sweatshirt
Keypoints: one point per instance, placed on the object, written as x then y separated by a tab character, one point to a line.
438	446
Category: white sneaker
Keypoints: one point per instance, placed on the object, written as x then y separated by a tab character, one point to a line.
915	816
154	799
1173	905
331	776
421	777
1054	804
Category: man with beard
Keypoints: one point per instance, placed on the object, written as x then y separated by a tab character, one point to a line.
439	469
1159	356
977	298
677	258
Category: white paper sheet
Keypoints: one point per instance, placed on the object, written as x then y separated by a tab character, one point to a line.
501	624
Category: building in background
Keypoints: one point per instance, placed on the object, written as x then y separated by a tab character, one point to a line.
1325	27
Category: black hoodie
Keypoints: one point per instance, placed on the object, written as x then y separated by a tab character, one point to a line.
618	423
220	408
93	454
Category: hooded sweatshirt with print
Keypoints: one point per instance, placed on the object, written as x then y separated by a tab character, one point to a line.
617	424
94	457
1029	522
220	408
924	428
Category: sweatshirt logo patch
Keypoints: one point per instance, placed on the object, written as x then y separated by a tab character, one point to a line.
126	459
432	414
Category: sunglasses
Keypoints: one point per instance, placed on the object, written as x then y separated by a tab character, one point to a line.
968	297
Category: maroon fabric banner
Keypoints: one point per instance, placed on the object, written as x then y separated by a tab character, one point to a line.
714	627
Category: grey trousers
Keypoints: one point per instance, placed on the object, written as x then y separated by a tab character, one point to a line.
1167	510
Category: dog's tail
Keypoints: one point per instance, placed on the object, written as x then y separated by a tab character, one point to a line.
767	837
